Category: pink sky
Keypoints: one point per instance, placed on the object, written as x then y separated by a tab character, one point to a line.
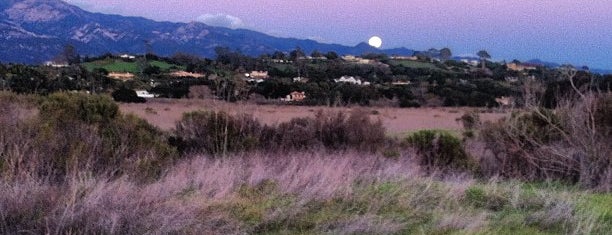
556	30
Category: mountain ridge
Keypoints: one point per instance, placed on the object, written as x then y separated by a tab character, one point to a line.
34	31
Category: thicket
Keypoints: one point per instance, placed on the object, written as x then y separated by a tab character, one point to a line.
219	133
440	151
570	143
67	134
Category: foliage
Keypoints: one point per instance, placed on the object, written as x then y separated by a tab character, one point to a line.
440	151
217	132
127	95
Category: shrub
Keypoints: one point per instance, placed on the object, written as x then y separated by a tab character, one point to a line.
440	150
217	132
81	133
127	96
569	143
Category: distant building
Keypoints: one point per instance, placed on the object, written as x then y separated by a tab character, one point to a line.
414	58
521	67
56	64
144	94
127	56
121	76
295	96
351	80
187	74
258	75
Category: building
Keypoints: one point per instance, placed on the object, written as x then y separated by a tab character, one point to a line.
187	74
351	80
121	76
521	67
144	94
296	96
56	64
258	75
126	56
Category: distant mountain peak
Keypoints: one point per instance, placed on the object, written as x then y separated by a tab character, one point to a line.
34	31
32	11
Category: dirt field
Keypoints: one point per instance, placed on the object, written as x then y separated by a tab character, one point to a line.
165	112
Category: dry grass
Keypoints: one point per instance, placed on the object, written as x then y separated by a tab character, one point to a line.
337	193
396	120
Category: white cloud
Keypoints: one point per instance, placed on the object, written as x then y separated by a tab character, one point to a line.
222	20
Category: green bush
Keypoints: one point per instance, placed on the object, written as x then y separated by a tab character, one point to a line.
440	151
217	132
83	133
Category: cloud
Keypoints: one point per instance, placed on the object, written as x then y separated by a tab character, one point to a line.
222	20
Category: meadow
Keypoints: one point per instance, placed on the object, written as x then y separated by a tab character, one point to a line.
83	164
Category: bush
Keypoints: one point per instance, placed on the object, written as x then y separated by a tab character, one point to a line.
440	151
82	133
127	96
217	132
570	143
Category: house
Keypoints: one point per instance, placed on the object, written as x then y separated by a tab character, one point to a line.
258	75
351	80
471	62
505	102
413	58
56	64
521	67
144	94
121	76
187	74
127	56
300	79
295	96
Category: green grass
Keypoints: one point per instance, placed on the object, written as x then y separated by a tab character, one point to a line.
414	64
424	207
115	65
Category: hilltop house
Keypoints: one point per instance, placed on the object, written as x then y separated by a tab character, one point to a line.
258	75
127	56
521	67
295	96
187	74
121	76
351	80
56	64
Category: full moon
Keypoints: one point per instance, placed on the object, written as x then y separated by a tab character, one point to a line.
375	41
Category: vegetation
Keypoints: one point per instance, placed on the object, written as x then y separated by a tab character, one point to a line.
71	162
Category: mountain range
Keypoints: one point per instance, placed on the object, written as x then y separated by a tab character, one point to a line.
34	31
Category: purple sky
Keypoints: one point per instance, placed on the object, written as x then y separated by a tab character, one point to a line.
563	31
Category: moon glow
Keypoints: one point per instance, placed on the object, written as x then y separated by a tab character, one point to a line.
375	41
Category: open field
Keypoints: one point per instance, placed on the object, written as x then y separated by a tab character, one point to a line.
165	112
117	65
415	64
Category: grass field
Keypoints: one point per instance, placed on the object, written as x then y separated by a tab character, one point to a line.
414	64
164	113
116	65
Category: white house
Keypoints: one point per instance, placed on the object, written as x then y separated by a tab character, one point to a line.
144	94
351	80
126	56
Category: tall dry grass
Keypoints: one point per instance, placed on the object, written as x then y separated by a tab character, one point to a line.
339	193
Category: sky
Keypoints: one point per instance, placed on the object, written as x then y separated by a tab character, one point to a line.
561	31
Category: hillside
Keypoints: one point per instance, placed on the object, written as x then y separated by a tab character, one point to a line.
34	31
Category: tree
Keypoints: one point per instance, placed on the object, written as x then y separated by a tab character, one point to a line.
484	55
331	55
296	54
279	55
70	55
445	54
316	54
